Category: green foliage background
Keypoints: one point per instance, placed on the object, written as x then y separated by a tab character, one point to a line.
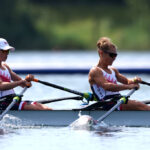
75	25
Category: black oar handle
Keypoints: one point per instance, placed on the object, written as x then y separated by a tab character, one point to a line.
146	102
146	83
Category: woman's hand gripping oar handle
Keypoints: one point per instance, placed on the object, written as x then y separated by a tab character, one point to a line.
87	96
138	80
15	100
123	100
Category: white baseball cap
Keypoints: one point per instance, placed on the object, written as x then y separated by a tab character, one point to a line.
5	46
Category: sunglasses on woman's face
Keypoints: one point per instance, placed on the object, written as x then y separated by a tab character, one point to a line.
112	55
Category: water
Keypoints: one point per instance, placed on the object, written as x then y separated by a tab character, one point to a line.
58	138
64	138
74	59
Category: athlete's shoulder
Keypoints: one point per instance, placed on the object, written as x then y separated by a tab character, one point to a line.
114	69
95	70
6	66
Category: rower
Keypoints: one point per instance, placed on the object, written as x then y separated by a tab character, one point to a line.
10	80
104	78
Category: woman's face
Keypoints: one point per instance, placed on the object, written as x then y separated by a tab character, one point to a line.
108	56
3	55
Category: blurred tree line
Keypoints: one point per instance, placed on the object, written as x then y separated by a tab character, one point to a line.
69	24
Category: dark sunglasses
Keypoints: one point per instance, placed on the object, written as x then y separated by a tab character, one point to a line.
112	55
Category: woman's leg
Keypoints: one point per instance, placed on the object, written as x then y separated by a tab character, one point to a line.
35	106
135	105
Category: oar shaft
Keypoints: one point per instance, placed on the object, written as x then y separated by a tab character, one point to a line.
146	83
60	99
7	109
131	92
15	99
146	102
121	101
110	111
88	96
22	92
59	87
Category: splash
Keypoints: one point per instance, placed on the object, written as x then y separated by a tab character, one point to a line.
10	121
86	122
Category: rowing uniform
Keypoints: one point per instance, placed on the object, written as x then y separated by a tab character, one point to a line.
7	96
102	94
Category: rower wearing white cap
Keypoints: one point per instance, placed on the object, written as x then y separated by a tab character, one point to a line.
10	80
5	46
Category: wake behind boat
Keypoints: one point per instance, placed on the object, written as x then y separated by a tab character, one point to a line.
66	117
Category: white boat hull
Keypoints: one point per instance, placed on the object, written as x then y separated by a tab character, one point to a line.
66	117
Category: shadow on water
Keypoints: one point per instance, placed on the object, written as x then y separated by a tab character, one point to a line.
103	129
2	132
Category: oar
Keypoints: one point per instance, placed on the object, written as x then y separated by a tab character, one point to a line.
122	100
87	96
15	100
60	99
96	105
99	104
146	102
146	83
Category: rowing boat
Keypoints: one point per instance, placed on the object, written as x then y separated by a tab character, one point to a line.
66	117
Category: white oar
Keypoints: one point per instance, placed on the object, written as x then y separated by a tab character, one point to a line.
121	101
15	100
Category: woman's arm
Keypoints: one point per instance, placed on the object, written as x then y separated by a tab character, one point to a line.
10	85
96	77
14	76
122	79
18	81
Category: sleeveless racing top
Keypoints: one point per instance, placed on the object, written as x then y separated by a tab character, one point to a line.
102	94
5	77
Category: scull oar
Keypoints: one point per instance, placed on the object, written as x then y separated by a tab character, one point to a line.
60	99
88	96
15	100
146	102
122	100
146	83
